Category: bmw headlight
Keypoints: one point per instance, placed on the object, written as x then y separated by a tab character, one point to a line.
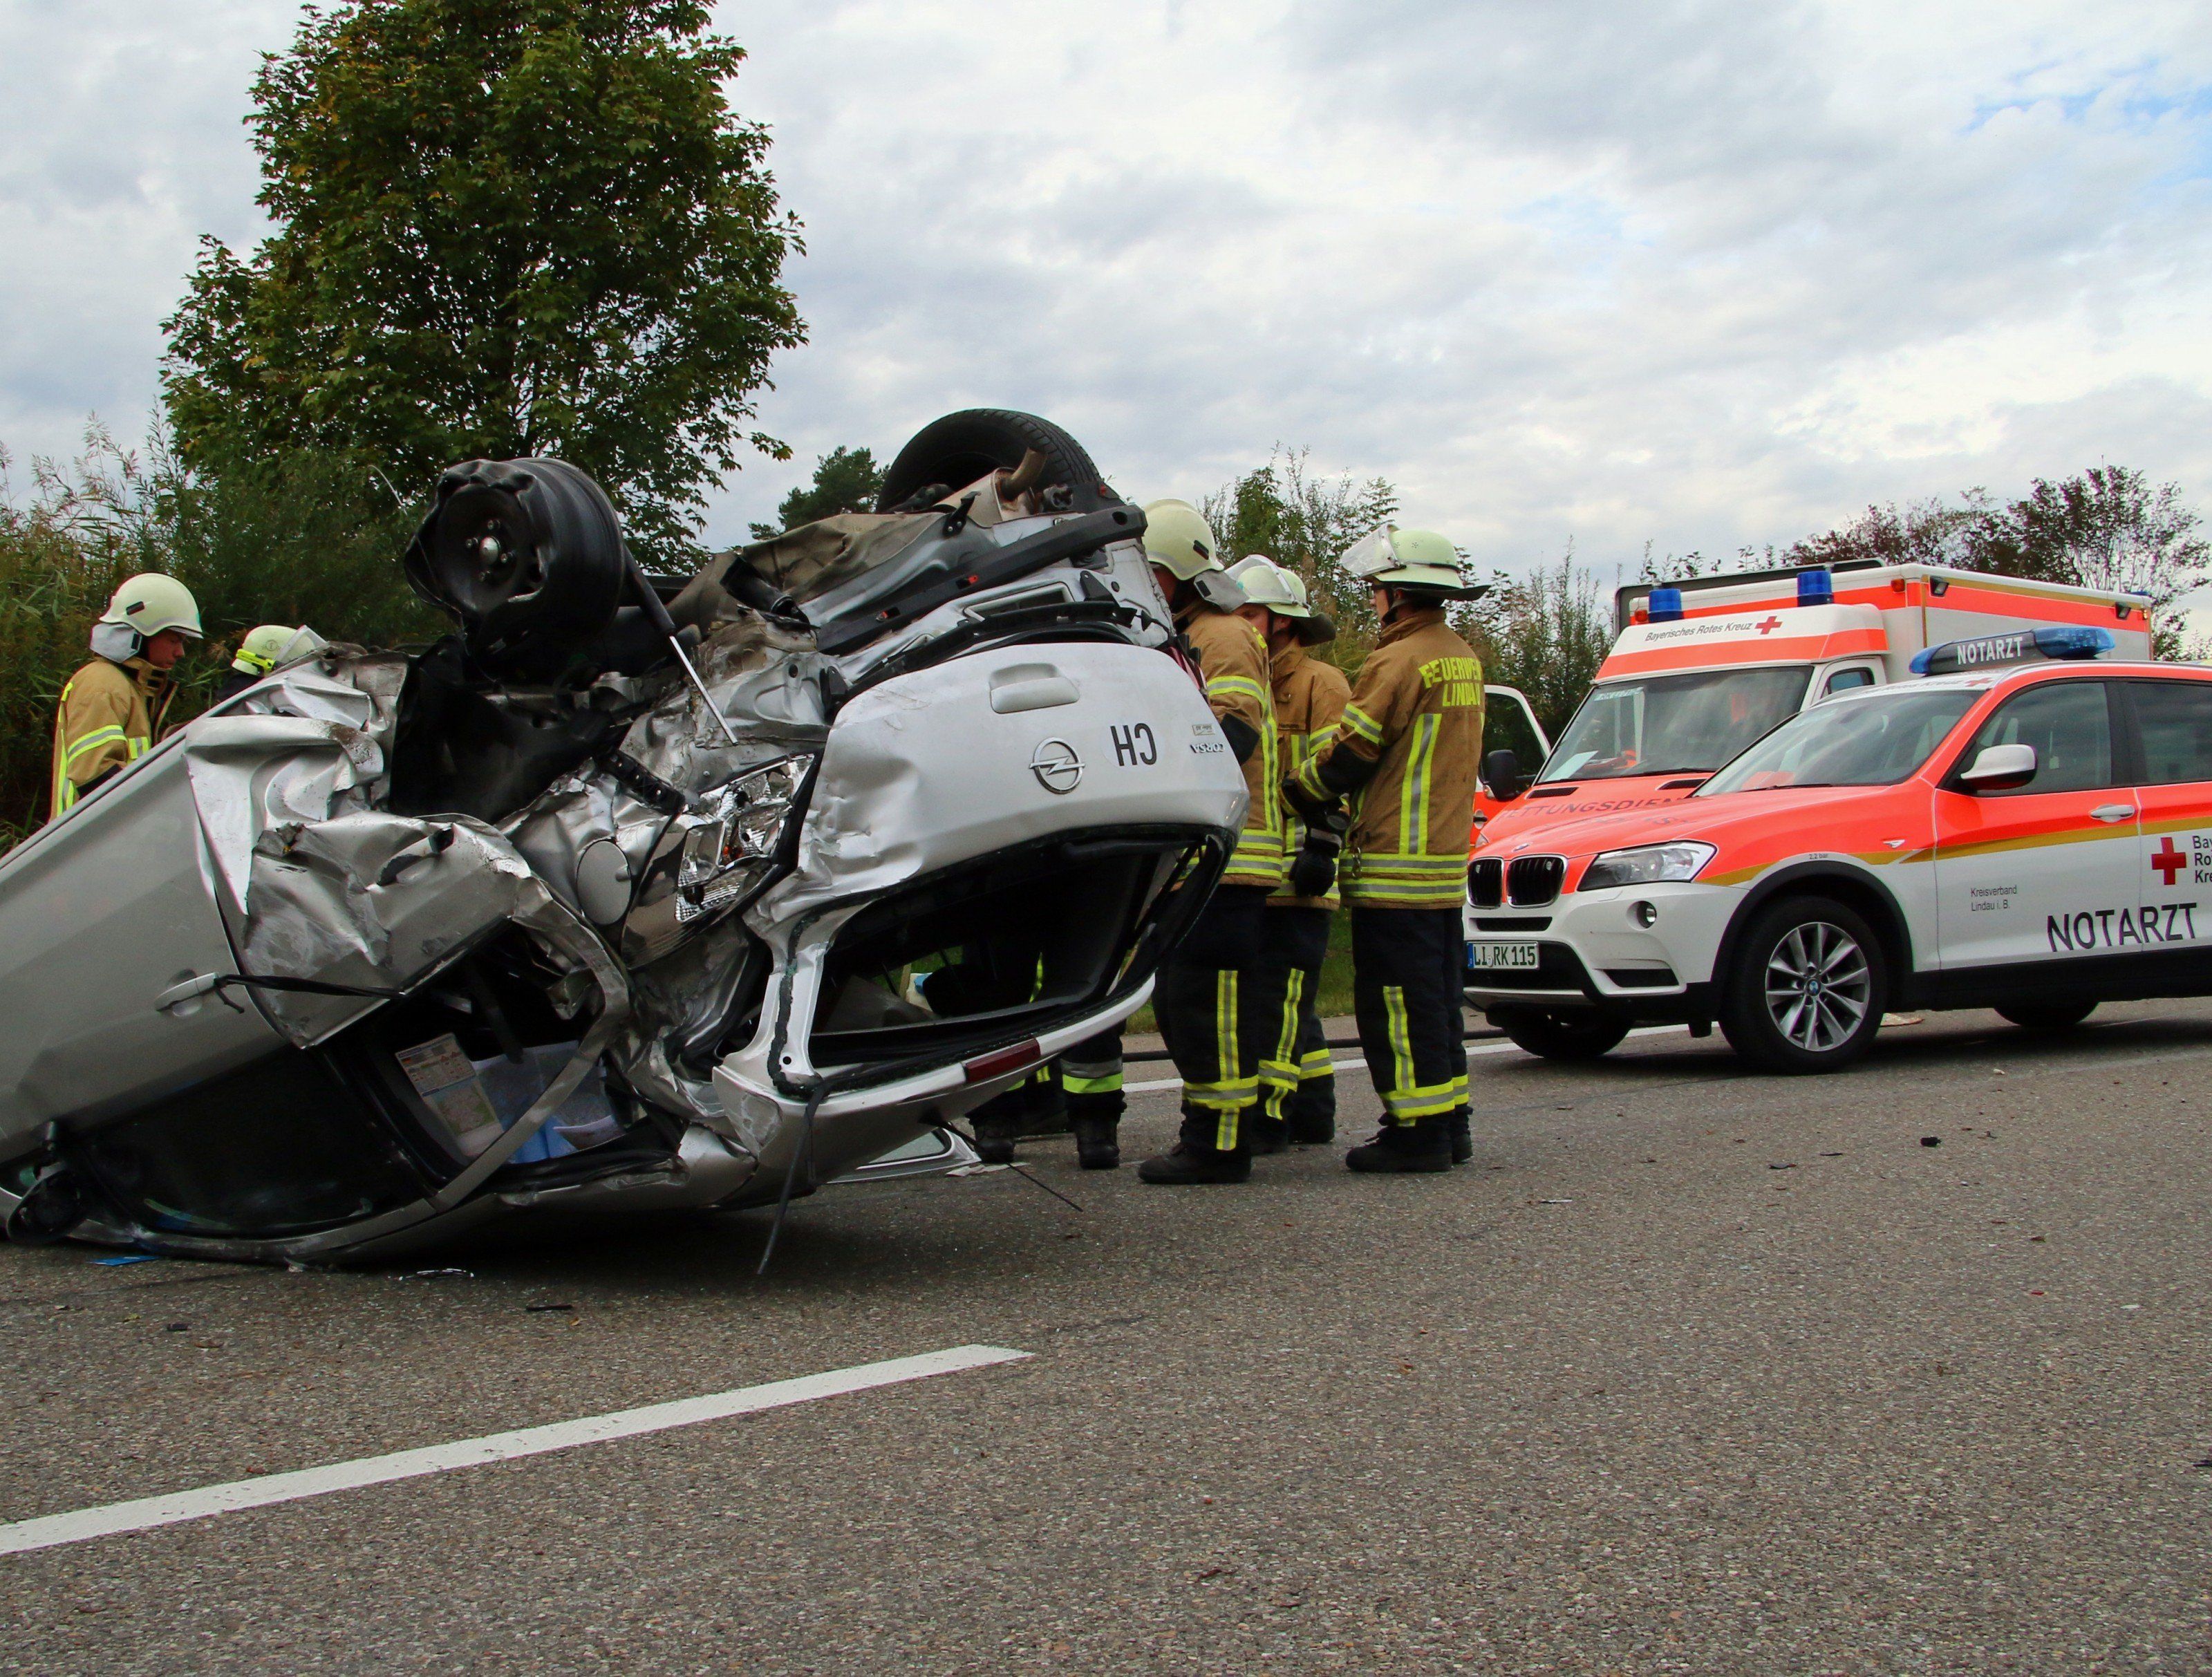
1646	865
729	853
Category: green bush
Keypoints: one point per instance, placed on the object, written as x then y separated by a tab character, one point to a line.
312	539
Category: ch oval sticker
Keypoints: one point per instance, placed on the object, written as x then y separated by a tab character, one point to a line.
1056	766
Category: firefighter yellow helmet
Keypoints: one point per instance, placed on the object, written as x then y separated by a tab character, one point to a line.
1179	540
151	603
1418	561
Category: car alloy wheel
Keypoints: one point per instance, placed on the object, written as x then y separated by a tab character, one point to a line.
1819	987
1805	988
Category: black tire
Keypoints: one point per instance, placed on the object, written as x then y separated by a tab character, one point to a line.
1776	1016
959	448
2047	1015
1560	1036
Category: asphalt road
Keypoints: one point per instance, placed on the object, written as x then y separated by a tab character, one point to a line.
1691	1371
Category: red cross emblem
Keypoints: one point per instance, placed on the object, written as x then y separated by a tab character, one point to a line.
1769	626
2168	859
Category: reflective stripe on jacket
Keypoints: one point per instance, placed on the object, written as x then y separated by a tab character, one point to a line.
1309	696
1416	712
1232	661
106	720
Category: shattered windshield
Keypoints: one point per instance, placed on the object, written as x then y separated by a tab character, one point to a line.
1675	724
1874	741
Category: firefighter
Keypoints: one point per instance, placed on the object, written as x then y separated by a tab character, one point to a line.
1405	757
1204	998
261	651
1298	1085
112	710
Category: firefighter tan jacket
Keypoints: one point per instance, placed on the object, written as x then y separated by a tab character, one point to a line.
109	716
1232	661
1309	696
1416	713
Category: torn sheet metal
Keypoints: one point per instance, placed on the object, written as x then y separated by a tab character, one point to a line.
774	942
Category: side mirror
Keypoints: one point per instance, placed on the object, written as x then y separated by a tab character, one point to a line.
1999	768
1501	773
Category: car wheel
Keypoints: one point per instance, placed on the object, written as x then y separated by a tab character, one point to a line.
957	449
2047	1015
1561	1035
1807	989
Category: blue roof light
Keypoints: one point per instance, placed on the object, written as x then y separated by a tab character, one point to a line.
1665	605
1815	587
2058	642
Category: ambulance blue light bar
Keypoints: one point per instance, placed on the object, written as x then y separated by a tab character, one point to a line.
1815	587
1665	605
2021	647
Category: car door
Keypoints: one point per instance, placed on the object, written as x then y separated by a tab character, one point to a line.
101	913
2042	870
2173	718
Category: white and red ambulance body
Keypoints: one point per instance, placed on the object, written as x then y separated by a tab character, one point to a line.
1704	668
2029	827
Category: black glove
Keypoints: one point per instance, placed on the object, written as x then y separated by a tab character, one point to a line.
1313	869
1315	811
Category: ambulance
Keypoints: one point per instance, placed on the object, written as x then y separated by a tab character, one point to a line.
1703	667
2023	822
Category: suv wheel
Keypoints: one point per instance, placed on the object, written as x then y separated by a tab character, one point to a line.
1808	986
1560	1036
2047	1015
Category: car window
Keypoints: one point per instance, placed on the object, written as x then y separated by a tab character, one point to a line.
1505	728
1675	724
1844	680
1876	740
2175	719
2069	724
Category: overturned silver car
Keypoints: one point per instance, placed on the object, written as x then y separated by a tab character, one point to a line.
622	896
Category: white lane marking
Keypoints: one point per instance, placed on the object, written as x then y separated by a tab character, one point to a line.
105	1520
1360	1065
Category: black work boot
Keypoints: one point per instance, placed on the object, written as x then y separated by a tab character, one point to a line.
1462	1136
1308	1127
1424	1145
1269	1135
1098	1143
994	1143
1184	1165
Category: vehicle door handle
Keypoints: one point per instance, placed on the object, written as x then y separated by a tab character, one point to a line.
2111	811
183	999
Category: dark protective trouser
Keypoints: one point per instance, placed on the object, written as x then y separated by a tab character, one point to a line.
1204	1003
1405	985
1090	1074
1296	1081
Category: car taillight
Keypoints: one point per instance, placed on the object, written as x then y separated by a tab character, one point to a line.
985	1067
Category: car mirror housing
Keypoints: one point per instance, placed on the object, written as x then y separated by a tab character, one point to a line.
1999	768
1501	773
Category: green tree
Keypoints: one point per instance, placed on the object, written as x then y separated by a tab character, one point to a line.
2107	527
503	227
1545	633
846	480
1306	523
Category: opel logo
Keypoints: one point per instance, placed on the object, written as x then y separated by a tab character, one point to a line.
1056	766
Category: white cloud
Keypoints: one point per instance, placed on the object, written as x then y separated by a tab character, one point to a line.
1708	272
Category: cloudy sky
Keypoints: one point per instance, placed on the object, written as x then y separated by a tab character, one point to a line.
1703	273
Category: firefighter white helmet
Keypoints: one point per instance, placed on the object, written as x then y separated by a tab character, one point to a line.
151	603
1283	592
272	644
